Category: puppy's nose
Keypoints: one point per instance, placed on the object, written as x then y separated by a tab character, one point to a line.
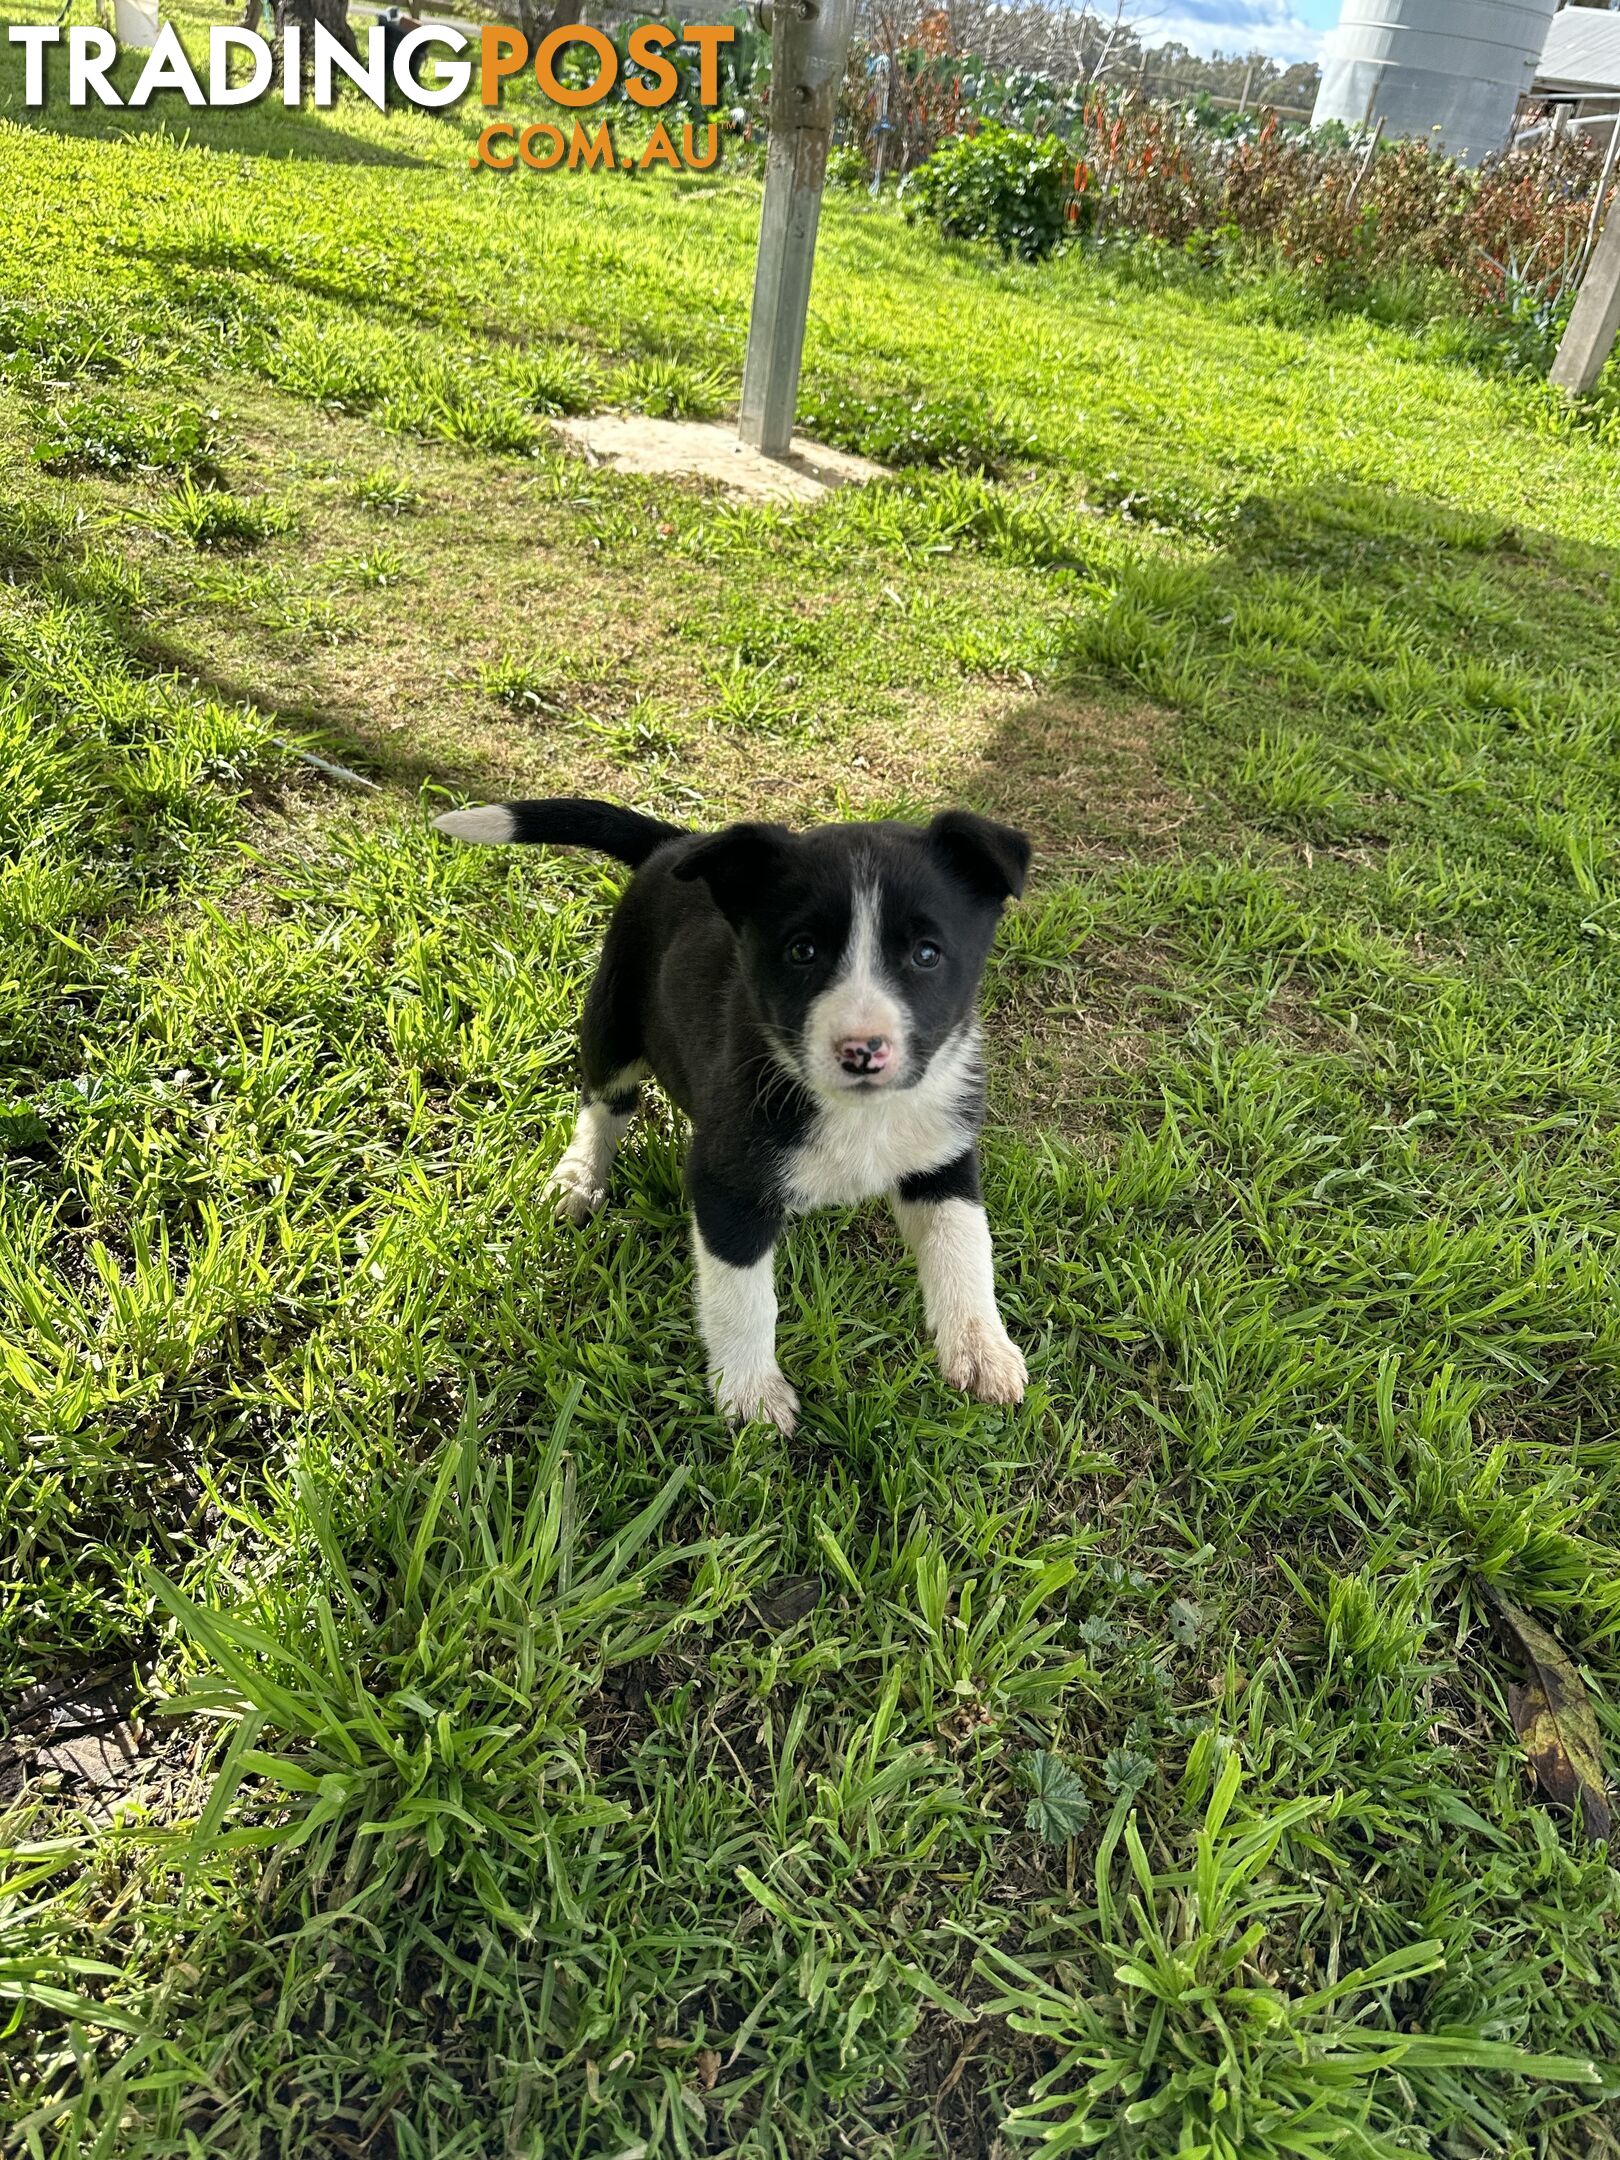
864	1053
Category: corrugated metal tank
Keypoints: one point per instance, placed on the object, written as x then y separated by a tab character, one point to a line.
1452	70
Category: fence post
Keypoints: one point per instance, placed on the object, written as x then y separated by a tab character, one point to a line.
1590	333
809	52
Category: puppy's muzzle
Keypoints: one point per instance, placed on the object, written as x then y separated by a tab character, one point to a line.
865	1055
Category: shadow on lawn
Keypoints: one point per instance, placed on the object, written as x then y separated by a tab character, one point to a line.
1351	659
271	134
343	732
172	265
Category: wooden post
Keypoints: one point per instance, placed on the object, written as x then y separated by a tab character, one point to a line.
809	52
1365	167
1595	319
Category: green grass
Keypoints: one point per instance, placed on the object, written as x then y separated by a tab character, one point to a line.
531	1765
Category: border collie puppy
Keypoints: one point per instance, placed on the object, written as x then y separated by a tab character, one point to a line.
810	1001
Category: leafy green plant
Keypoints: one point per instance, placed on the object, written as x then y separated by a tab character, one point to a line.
672	389
436	1746
918	428
846	167
643	733
524	685
106	436
377	567
1171	2032
1058	1806
211	517
998	185
556	379
390	494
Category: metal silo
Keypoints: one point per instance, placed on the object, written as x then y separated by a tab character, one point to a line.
1453	70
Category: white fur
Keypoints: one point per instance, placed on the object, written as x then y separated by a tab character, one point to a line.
862	1144
736	1309
951	1239
859	1002
579	1183
491	823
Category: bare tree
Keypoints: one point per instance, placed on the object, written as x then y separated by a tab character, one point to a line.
537	21
332	15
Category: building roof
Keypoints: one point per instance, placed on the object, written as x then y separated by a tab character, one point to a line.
1582	52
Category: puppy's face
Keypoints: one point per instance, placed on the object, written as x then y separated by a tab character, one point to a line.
863	945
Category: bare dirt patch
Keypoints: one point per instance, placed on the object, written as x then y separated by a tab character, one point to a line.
1087	780
709	450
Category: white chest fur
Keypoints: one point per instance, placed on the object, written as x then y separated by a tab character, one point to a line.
863	1145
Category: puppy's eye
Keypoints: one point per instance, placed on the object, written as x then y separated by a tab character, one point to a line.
926	954
802	951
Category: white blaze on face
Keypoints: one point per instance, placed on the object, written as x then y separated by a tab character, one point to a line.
860	1005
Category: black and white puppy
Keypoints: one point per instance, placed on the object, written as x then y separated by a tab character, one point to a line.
810	1001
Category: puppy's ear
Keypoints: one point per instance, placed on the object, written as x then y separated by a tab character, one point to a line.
738	865
991	860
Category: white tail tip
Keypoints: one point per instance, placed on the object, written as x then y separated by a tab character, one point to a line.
491	823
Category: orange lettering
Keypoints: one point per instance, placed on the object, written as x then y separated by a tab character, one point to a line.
582	151
545	64
501	53
648	44
708	38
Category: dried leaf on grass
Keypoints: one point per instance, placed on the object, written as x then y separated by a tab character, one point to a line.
1553	1716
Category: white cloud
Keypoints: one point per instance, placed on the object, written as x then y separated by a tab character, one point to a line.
1231	26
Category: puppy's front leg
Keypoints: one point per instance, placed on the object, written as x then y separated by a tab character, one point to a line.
942	1219
736	1308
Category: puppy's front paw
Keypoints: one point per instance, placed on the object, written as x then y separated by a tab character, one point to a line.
742	1398
983	1360
574	1190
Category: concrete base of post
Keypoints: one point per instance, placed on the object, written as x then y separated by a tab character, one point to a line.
709	450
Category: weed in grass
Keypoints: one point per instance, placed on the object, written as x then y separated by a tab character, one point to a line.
1169	2031
92	435
271	597
212	517
1289	783
376	569
524	685
932	513
555	379
459	412
643	734
896	428
753	700
670	389
387	493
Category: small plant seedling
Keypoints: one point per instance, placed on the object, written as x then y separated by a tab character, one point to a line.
524	685
377	567
387	493
212	517
1058	1806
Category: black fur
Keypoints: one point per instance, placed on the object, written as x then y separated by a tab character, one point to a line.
576	821
768	979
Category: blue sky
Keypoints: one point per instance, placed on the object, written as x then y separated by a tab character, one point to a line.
1287	29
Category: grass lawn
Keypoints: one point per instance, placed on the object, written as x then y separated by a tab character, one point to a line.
528	1765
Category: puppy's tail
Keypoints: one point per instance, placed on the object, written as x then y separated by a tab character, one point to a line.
563	821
